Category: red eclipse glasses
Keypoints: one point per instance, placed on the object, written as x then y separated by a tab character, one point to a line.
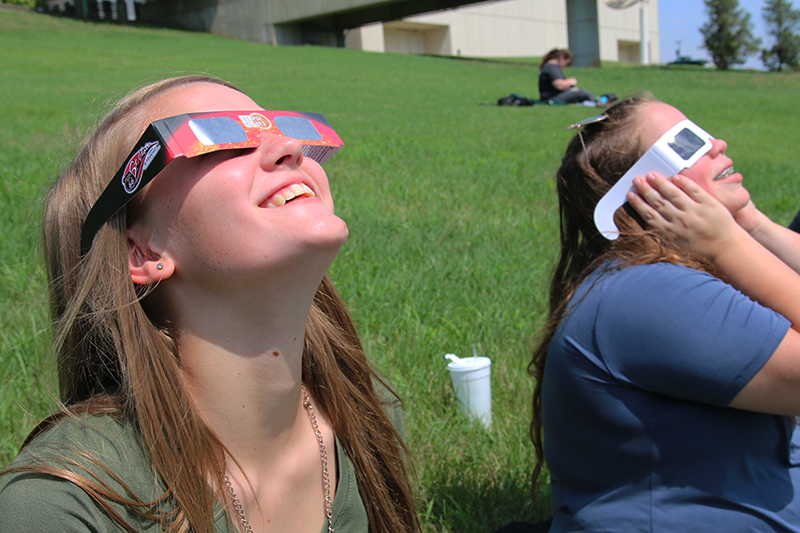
194	134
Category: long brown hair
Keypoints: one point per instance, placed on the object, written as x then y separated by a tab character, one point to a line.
113	358
612	146
556	53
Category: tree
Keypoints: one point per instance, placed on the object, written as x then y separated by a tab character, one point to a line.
728	34
781	20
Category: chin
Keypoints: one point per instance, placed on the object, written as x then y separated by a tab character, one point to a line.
737	204
330	234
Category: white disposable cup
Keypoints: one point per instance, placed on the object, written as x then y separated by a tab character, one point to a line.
472	382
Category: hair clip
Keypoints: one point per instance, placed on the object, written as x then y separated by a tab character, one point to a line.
584	122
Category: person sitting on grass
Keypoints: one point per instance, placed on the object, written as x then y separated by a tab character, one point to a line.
553	85
211	376
665	397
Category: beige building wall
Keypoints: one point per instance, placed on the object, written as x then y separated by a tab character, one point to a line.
508	28
620	33
368	38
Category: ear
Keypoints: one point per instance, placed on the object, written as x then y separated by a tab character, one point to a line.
146	265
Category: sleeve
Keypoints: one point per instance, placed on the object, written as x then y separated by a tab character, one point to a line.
32	501
683	333
47	504
393	408
555	73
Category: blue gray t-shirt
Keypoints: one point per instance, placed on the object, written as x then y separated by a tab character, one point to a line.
637	434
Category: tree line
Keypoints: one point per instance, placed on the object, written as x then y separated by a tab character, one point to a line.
728	34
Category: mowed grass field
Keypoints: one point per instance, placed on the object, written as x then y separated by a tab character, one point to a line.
450	201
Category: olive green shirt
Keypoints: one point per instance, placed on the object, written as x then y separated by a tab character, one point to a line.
48	504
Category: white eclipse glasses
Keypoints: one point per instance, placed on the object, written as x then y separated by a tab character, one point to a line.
676	150
194	134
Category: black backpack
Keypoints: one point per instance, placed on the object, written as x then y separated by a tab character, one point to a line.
515	99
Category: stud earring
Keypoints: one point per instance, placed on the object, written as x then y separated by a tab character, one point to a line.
160	266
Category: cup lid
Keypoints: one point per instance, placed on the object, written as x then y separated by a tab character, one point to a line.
463	364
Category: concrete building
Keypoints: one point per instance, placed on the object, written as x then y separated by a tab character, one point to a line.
520	28
592	29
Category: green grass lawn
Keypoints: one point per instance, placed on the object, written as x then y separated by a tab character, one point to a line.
450	202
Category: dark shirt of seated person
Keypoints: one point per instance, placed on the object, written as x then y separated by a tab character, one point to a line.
553	85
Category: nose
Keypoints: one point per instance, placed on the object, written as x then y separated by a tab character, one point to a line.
718	146
276	151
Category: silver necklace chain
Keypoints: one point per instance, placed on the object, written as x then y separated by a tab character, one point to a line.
326	484
237	505
323	455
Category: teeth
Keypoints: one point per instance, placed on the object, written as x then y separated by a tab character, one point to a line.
298	189
728	171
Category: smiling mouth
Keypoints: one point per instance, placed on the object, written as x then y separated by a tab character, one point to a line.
292	192
725	173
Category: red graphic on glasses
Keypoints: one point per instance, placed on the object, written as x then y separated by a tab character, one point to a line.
137	164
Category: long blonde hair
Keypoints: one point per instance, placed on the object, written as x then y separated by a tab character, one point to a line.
595	159
116	358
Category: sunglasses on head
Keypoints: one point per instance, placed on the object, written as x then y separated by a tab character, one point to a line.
676	150
194	134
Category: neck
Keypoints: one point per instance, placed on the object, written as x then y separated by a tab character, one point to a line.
242	364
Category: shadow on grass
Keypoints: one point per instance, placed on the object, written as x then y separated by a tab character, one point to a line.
483	508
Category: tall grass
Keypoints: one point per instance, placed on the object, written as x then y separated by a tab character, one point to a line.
449	199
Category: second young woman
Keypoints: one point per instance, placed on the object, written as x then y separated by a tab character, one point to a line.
663	395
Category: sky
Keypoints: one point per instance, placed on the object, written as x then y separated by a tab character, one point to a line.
680	20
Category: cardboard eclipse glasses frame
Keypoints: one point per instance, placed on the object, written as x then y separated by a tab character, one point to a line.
194	134
678	149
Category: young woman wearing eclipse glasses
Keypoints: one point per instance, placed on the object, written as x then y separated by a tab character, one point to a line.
665	397
211	376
